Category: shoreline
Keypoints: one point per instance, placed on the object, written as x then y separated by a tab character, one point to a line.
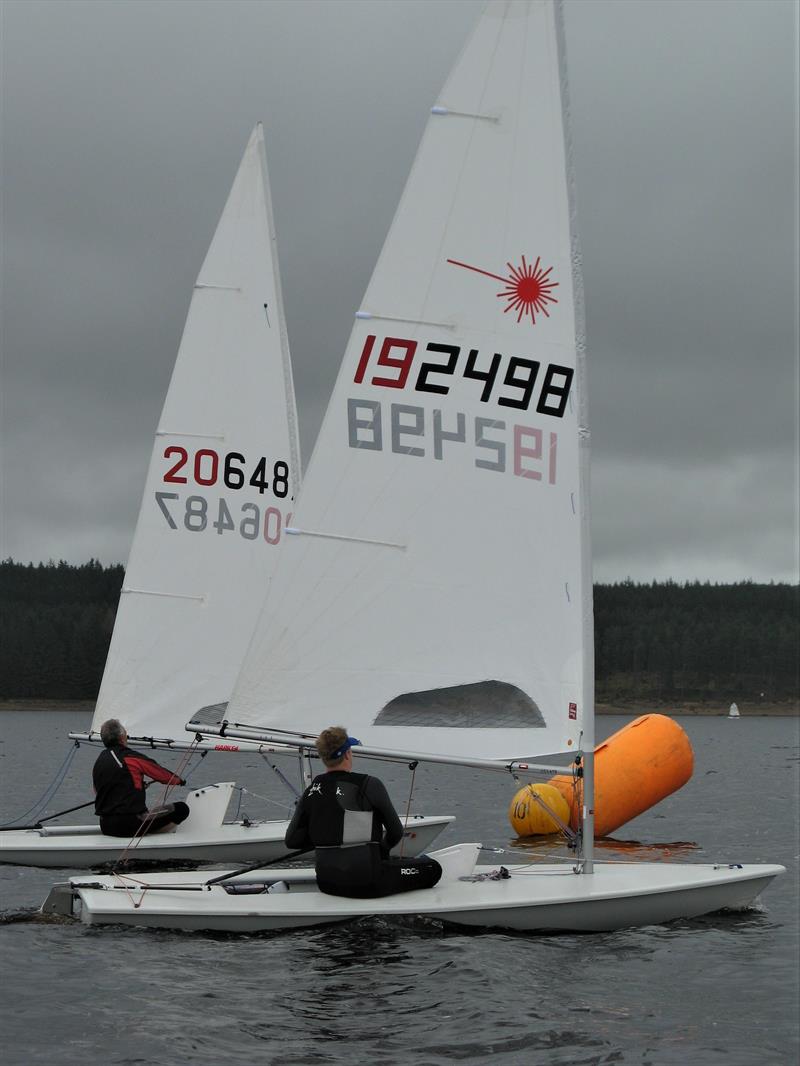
631	709
747	709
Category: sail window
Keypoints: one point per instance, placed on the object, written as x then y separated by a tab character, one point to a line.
482	705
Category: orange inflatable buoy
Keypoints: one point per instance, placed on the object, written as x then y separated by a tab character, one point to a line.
530	818
642	763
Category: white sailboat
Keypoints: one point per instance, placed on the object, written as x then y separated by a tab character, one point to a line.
436	595
220	491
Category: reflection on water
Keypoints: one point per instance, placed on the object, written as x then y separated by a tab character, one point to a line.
554	849
633	849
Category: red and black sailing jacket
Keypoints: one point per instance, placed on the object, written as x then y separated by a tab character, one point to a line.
118	777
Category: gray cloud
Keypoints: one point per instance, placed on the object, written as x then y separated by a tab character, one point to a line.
122	126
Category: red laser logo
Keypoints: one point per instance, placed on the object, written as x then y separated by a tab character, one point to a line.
527	290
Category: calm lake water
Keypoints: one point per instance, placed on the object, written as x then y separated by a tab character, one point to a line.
718	990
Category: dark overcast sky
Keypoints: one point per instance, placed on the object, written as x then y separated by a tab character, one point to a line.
122	127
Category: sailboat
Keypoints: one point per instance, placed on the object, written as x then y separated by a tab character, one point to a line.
733	711
435	590
220	490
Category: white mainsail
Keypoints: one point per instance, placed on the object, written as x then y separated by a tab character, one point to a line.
221	483
438	598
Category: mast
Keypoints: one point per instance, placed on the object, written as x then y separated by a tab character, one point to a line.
295	460
584	470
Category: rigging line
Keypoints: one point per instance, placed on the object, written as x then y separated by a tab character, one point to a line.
413	768
50	791
193	769
127	883
182	769
140	833
610	862
49	818
550	855
295	792
266	799
565	829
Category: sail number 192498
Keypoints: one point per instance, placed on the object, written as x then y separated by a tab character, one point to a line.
514	383
510	381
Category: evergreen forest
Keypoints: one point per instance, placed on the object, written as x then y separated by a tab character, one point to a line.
659	641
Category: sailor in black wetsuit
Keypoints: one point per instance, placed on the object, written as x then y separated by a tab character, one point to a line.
118	776
343	816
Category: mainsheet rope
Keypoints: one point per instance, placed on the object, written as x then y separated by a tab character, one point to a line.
413	768
137	837
267	799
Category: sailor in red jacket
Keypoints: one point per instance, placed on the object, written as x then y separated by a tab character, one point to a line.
118	777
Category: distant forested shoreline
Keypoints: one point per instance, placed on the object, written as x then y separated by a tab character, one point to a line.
653	642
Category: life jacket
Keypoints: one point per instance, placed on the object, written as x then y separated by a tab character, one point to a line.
345	830
339	812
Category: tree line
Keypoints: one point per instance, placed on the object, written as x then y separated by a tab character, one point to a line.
656	641
697	641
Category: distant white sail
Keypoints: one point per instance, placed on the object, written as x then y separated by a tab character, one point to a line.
221	483
437	600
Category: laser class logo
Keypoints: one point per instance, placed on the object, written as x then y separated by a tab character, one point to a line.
528	288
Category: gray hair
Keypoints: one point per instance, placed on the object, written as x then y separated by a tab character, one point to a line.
111	732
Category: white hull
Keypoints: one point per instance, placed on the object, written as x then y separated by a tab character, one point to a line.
203	837
533	898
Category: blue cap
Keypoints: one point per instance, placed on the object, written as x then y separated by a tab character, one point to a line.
351	742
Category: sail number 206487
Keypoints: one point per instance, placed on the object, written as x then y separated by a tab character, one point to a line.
198	514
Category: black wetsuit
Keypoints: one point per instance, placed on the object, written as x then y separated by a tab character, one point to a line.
343	816
118	776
